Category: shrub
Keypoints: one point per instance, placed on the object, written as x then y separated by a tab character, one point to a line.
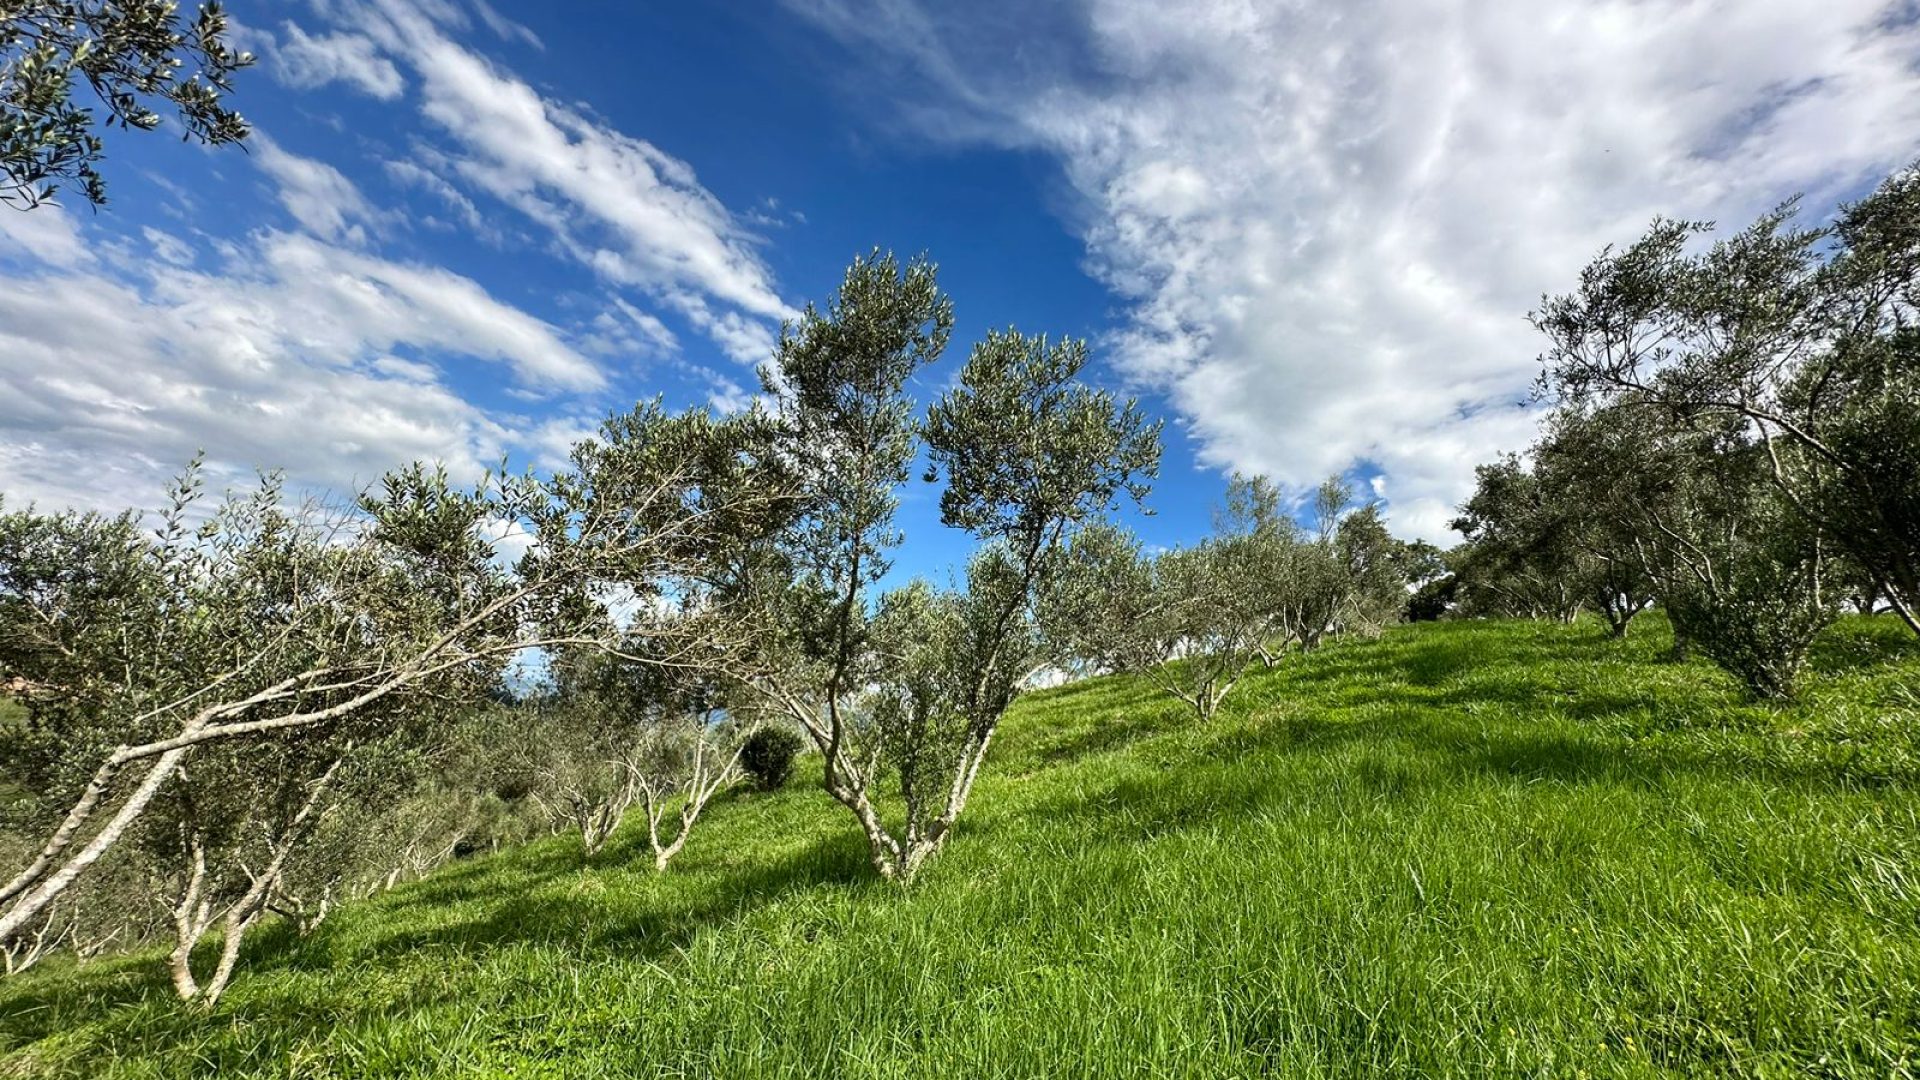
768	756
1756	617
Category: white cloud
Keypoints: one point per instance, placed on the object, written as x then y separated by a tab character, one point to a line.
307	61
167	247
637	216
49	235
1330	220
504	28
319	196
113	374
414	174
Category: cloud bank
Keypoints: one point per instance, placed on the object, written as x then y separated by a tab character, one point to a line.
288	351
1328	221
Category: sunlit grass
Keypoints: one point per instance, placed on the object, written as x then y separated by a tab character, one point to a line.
1465	849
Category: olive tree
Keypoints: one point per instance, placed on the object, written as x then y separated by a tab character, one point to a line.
1349	573
1029	455
1374	565
1095	602
1208	621
132	55
614	734
578	745
688	757
1521	556
1741	575
225	828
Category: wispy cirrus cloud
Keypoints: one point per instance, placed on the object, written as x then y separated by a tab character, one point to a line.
291	352
637	216
308	61
1328	221
319	196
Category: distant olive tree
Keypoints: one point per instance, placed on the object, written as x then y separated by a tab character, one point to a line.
1373	563
1349	574
580	744
767	755
1209	625
1521	557
1551	535
132	55
1096	600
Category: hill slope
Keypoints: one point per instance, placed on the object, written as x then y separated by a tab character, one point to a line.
1465	849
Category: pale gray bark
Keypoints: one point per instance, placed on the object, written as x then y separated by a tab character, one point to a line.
699	788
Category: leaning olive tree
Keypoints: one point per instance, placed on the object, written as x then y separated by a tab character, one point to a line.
265	623
1029	455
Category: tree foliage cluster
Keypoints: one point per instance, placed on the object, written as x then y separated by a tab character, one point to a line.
1735	435
135	57
1195	620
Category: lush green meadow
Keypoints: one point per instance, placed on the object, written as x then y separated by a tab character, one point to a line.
1464	849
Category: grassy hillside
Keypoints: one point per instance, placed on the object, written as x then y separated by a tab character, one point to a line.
1471	849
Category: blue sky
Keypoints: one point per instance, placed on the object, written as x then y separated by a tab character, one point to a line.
1307	235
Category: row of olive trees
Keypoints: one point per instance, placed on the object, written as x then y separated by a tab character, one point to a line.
1196	620
1736	435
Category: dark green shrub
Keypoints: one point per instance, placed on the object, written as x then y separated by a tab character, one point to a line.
768	756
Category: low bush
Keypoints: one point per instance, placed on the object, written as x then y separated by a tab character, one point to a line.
768	756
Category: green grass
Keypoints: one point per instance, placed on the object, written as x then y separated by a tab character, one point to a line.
1464	850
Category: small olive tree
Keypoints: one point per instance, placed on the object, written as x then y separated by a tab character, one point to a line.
767	754
1208	621
1029	456
580	742
227	828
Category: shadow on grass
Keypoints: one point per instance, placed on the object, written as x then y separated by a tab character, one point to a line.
537	915
521	899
